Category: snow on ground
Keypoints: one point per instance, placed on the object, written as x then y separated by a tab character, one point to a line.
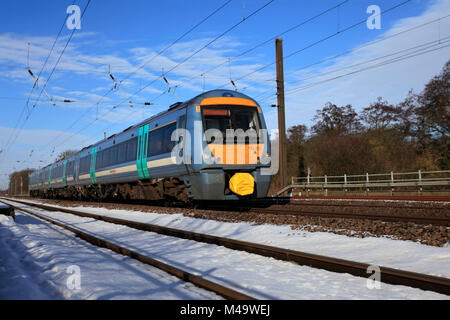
257	276
36	259
400	254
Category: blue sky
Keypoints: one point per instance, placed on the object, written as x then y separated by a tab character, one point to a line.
125	34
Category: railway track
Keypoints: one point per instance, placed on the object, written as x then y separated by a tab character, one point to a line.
201	282
282	206
442	221
401	198
353	203
387	275
425	215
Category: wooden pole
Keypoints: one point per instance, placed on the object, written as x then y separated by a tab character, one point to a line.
281	112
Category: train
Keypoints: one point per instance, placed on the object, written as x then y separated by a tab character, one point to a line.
184	154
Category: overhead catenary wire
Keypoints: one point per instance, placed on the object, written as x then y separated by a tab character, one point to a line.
204	47
47	80
49	54
398	59
183	61
178	39
353	50
435	42
428	49
254	48
13	134
356	49
312	44
62	53
268	41
151	59
317	42
168	47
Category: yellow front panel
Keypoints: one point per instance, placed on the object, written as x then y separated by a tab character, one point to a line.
237	153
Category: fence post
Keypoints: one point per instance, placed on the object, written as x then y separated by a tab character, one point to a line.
325	186
345	183
420	182
392	183
307	182
367	183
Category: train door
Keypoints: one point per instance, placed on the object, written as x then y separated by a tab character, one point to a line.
76	168
183	167
50	177
141	158
93	162
64	178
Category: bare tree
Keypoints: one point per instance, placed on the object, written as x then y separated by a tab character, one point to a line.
18	182
434	110
65	154
340	120
380	115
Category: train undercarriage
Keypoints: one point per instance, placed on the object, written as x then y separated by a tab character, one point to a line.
168	189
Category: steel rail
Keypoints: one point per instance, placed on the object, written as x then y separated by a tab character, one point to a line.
387	275
372	197
270	206
360	205
201	282
368	203
440	221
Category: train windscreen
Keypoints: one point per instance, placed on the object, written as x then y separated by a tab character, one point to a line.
228	119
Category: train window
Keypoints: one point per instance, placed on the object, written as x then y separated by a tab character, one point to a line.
85	164
99	160
132	149
181	122
107	158
56	172
122	152
160	140
114	155
155	142
69	170
168	143
106	161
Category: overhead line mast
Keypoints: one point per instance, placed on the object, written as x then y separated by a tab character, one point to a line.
281	111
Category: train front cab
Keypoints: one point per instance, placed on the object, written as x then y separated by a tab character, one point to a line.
217	161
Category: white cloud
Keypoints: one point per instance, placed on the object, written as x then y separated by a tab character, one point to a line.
14	49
